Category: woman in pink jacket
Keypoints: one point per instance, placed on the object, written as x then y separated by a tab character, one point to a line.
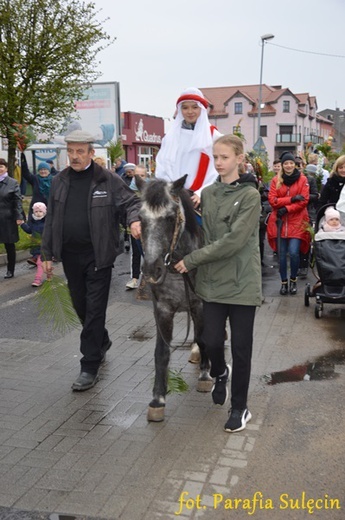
287	226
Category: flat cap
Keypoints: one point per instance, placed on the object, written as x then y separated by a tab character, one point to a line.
129	166
79	136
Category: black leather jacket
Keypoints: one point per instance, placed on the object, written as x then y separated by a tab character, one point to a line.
109	198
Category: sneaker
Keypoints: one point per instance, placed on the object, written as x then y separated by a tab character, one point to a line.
36	283
237	420
132	284
220	390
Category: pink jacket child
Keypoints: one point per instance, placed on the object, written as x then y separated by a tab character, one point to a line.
35	228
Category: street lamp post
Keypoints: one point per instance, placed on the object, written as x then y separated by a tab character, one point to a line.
264	38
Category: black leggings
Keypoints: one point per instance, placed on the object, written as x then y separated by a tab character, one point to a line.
241	328
11	256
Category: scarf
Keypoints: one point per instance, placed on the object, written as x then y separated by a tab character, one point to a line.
44	184
34	217
340	179
3	176
327	227
289	180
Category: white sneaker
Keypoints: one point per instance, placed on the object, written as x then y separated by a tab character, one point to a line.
237	420
132	284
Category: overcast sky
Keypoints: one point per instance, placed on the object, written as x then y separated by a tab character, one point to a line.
164	46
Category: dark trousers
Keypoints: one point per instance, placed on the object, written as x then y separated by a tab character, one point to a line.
136	257
241	327
89	289
262	234
11	256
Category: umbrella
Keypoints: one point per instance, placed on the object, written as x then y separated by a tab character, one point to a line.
279	223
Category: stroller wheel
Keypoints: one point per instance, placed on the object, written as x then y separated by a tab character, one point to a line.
318	310
306	295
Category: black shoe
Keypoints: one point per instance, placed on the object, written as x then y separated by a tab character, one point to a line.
105	350
220	390
293	286
9	274
237	420
284	288
85	381
32	261
303	272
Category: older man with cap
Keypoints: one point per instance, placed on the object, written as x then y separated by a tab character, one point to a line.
128	174
82	231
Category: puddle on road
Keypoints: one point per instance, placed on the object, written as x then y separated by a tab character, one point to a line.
142	334
319	370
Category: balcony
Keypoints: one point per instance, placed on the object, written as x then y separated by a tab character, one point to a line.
288	138
314	139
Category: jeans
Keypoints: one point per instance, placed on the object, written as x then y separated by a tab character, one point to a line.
291	246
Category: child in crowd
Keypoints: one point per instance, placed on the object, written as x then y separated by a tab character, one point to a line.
332	220
228	279
35	228
187	146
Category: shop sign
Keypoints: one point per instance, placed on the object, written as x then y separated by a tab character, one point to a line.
142	135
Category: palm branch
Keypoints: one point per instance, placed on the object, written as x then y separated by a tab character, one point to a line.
176	383
55	305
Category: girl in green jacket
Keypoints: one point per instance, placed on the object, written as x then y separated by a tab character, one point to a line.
229	275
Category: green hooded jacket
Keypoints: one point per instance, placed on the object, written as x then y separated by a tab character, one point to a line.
229	264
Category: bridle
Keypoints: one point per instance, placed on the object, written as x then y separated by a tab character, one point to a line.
168	258
178	230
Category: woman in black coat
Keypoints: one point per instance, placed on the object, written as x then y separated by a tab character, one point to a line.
331	190
11	215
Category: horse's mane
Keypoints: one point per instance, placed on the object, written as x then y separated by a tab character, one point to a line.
192	225
156	196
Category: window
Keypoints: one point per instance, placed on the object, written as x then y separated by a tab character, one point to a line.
286	106
238	108
286	130
263	131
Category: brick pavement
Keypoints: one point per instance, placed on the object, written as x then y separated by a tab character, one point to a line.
93	454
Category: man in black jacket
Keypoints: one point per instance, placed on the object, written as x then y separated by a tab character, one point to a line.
82	230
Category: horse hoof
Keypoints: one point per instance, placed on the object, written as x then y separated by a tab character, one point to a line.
204	385
155	414
194	354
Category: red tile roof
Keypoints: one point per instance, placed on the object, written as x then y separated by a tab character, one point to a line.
218	97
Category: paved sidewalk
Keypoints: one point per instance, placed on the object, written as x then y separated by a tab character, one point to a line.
94	455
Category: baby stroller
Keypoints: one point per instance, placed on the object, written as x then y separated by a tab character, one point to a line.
329	256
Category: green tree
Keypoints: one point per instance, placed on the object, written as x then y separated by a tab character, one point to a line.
48	52
115	150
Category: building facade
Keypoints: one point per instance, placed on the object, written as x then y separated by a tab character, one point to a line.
337	117
141	138
288	121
